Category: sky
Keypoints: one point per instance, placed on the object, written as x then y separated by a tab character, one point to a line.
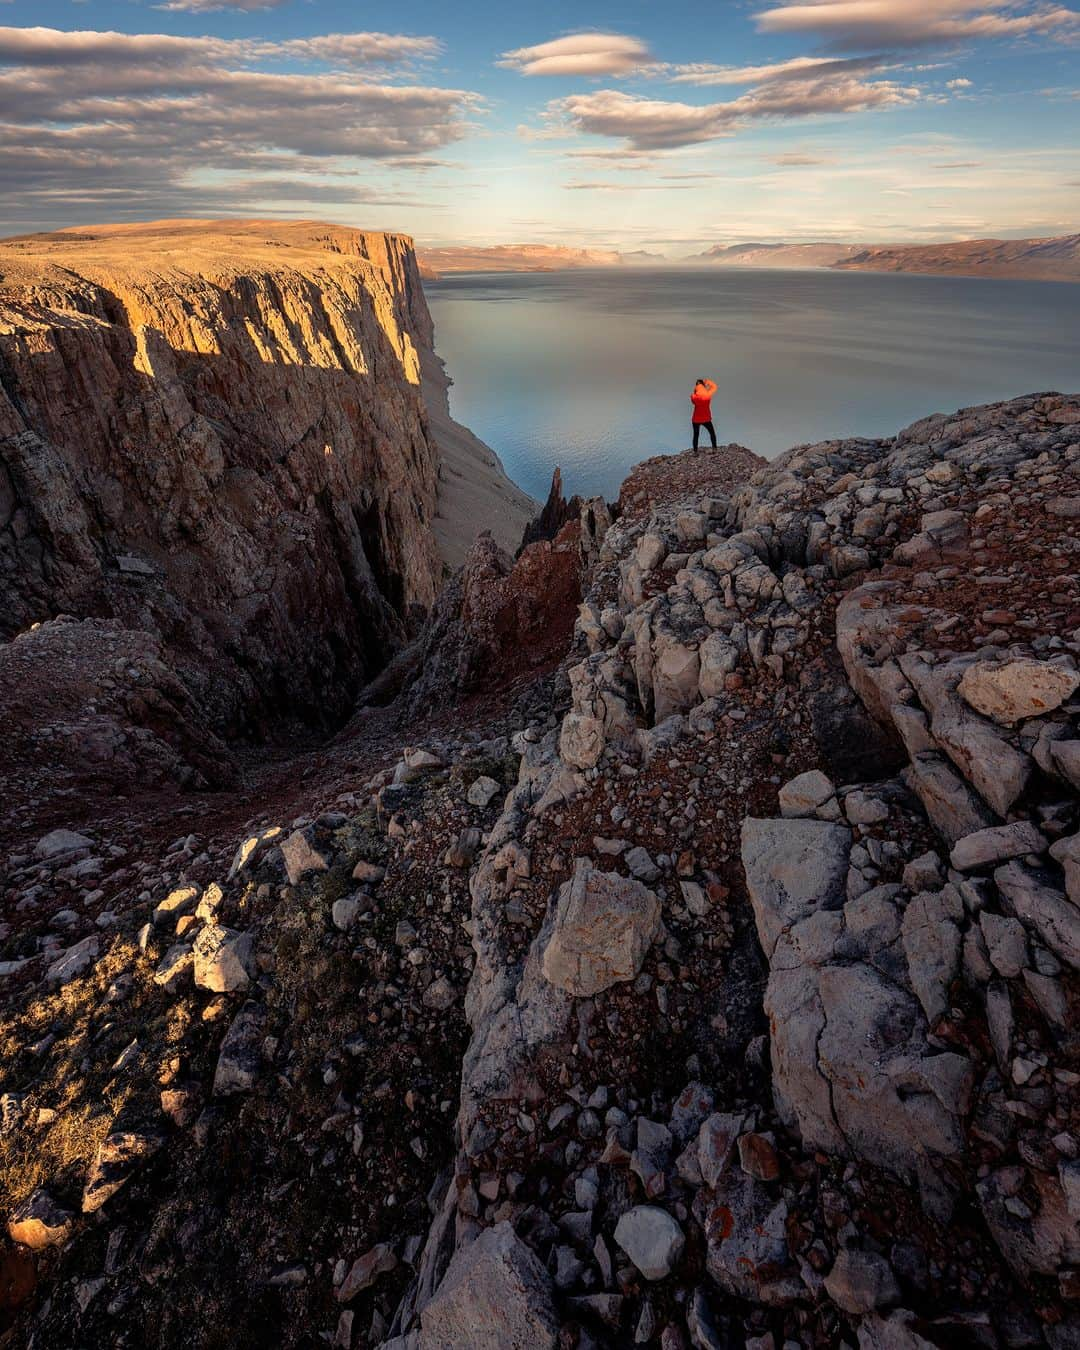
660	127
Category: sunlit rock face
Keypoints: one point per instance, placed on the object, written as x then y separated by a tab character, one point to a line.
214	431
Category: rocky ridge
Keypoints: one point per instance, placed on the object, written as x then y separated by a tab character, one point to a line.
714	986
917	930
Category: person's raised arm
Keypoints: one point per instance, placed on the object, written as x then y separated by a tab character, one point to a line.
711	387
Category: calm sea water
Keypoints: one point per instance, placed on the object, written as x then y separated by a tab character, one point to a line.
592	370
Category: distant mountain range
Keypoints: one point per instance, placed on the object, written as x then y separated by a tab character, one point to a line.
776	255
1036	259
435	262
1056	259
513	258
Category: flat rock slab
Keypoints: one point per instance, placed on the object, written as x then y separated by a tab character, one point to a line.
495	1295
604	925
793	868
69	965
997	844
1017	689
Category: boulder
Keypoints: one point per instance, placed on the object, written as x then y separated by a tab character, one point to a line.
859	1282
793	868
716	1144
178	902
251	849
73	962
40	1222
1016	690
1066	852
718	657
495	1295
676	672
62	846
240	1057
651	552
1037	1238
175	966
932	947
893	1332
1029	895
603	927
852	1066
581	740
997	844
994	767
1065	755
954	810
1006	943
482	790
300	858
343	912
117	1158
806	794
652	1239
366	1270
745	1225
224	959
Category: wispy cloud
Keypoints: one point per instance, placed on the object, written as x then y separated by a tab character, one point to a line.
849	25
794	160
211	6
652	124
797	68
152	117
580	54
601	186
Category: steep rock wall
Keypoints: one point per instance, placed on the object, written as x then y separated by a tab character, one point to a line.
214	432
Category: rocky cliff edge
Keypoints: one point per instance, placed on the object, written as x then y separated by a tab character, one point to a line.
214	433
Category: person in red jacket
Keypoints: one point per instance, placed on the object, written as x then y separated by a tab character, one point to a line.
701	398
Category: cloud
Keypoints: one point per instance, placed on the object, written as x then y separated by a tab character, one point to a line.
960	164
580	54
652	124
797	68
625	187
34	47
958	84
159	123
210	6
797	161
851	25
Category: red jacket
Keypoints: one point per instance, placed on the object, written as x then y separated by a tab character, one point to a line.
703	402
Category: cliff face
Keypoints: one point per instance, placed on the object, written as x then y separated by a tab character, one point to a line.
214	432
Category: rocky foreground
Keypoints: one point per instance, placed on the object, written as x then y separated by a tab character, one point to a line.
713	982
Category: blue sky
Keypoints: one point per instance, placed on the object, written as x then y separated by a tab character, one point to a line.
660	127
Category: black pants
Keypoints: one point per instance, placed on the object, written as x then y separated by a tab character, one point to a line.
709	428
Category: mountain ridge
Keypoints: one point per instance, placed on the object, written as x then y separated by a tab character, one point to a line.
1054	258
